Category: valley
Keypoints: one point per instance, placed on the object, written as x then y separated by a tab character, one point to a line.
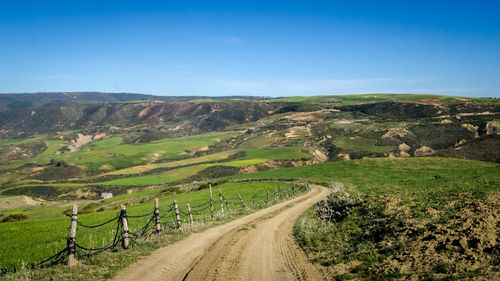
424	152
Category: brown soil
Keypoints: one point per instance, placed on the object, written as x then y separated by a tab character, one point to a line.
16	202
469	242
305	116
259	246
424	151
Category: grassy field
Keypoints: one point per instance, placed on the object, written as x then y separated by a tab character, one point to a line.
252	157
413	185
45	233
148	167
424	218
112	154
157	179
367	98
382	175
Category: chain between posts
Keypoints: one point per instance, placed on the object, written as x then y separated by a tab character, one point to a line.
72	250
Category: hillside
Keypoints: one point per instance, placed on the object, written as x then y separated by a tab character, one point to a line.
65	151
415	151
23	100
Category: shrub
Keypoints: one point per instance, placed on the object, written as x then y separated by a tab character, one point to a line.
90	208
15	217
337	206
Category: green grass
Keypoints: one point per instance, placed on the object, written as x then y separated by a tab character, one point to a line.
112	154
417	186
126	155
49	153
422	183
158	179
275	153
253	157
256	142
219	100
367	98
42	235
421	175
19	141
143	168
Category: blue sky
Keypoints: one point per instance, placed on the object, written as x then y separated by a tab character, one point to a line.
272	48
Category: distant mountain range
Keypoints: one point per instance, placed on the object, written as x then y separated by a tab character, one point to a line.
18	100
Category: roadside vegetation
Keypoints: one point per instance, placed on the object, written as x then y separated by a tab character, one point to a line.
43	230
425	218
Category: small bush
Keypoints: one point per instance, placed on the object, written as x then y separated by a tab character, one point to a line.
90	208
337	206
68	212
15	217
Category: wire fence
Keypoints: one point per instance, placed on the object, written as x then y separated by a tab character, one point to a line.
160	219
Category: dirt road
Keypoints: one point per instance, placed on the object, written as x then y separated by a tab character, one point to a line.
259	246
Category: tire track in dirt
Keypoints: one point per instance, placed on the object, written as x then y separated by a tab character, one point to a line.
259	246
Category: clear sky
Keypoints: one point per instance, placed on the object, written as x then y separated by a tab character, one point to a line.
272	48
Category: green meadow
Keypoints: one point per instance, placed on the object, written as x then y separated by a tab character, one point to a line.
366	98
252	157
110	153
46	230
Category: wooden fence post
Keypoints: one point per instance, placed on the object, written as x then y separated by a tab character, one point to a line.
177	214
211	202
293	188
72	235
225	202
268	196
241	200
190	214
126	239
253	200
290	191
157	215
276	194
221	203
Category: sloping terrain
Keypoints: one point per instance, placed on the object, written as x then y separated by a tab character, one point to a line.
408	224
88	149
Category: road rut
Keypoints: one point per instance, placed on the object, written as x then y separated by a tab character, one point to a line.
258	246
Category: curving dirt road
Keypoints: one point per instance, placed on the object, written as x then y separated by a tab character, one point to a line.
259	246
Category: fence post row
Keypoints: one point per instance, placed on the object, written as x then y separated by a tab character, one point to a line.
72	235
190	214
126	239
211	202
157	215
177	214
71	243
241	200
221	203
